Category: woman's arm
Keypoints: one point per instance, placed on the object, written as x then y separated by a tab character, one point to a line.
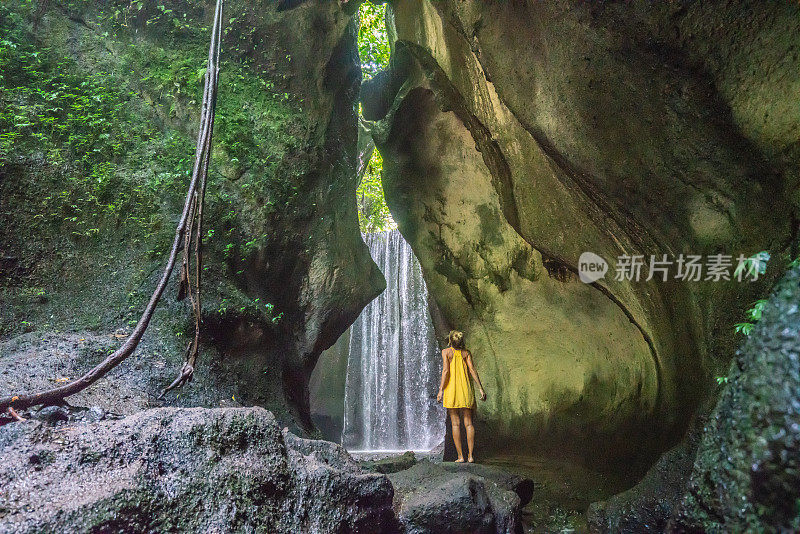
445	375
474	374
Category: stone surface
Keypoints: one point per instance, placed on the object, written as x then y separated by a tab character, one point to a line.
441	498
390	464
746	476
184	470
36	361
326	389
648	506
519	484
516	136
737	468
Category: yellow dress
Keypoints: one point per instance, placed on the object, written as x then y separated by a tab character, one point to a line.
458	391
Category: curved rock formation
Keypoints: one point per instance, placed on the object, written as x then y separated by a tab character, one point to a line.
518	135
737	468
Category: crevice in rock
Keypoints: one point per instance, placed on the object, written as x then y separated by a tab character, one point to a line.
449	99
286	5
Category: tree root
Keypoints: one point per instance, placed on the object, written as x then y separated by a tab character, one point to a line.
182	233
14	415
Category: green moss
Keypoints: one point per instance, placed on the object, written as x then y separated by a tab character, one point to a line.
97	147
91	457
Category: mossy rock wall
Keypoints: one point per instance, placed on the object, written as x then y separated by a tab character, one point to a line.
100	103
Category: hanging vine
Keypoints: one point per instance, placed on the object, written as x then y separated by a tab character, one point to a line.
190	223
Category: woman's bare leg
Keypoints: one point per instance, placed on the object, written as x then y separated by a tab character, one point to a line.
467	415
455	424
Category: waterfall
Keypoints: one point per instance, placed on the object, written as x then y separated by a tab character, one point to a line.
394	366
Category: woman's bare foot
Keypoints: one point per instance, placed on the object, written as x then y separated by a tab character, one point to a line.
460	461
471	459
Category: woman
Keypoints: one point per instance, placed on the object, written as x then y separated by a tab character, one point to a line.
456	390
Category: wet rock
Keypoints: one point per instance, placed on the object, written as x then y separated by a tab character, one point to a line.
522	486
184	470
648	506
738	469
433	499
436	454
96	413
391	464
746	476
509	151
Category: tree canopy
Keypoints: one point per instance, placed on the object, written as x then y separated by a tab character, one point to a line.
373	43
374	52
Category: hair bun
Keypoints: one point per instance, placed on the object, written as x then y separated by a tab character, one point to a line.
456	339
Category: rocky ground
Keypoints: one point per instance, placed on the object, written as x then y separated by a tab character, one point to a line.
186	470
481	497
229	470
36	361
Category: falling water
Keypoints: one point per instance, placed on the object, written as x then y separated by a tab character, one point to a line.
393	367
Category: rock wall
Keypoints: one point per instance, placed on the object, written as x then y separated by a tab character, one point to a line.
88	214
517	135
746	475
736	469
327	388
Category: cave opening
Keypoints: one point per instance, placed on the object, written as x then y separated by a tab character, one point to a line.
373	53
372	391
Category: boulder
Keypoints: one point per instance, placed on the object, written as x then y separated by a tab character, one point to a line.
184	470
519	484
440	498
391	464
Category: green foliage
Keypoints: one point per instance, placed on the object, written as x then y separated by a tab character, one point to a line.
253	309
49	111
118	159
373	43
373	213
374	51
97	140
753	315
743	328
753	266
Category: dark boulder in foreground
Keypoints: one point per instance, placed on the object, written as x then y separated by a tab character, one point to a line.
443	498
186	470
738	470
